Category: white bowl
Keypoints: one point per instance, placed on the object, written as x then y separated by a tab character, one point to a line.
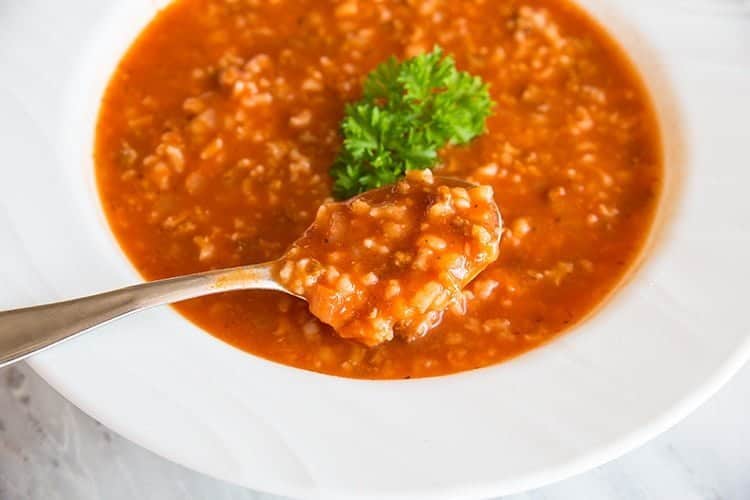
661	345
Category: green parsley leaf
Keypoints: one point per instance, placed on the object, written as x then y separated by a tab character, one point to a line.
408	111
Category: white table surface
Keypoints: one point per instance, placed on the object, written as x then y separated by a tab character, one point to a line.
51	450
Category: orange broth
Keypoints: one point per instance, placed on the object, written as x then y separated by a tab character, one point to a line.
219	126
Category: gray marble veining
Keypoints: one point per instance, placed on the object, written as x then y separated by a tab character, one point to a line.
50	450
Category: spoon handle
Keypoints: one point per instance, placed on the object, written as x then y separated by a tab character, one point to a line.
29	330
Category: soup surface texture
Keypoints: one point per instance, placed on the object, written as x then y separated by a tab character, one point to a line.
220	124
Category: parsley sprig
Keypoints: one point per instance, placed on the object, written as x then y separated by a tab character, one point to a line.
408	111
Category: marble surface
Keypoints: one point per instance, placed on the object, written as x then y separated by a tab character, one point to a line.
51	450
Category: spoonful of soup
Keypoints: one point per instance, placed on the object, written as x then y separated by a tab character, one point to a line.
385	263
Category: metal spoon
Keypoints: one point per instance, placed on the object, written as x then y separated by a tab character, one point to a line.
29	330
26	331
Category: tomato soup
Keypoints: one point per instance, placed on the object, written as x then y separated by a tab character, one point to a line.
218	129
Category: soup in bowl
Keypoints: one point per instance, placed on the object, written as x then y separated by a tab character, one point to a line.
218	130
